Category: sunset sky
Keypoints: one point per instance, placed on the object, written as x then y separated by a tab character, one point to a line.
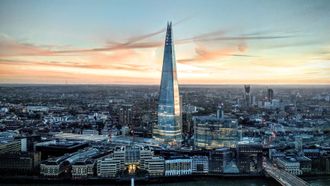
121	41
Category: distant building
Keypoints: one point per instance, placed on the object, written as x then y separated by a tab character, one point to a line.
37	109
90	132
247	95
270	94
178	167
126	115
212	132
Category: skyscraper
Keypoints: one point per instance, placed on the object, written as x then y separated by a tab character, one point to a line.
247	95
168	130
270	94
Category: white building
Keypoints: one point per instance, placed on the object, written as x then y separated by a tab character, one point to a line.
37	109
53	167
108	167
83	168
290	165
123	156
155	166
90	132
178	167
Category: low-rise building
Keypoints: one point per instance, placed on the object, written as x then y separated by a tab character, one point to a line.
108	167
124	156
53	167
155	166
83	168
10	146
290	165
19	163
305	164
211	132
200	164
218	159
178	167
249	157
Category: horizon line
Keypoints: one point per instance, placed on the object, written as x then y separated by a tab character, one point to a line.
186	84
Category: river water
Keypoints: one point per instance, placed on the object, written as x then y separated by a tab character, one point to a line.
232	181
319	181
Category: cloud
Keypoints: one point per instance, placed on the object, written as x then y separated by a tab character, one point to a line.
10	47
115	61
204	54
50	63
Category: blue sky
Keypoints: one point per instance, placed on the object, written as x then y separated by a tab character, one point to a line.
276	37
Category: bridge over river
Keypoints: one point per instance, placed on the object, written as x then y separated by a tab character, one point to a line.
283	177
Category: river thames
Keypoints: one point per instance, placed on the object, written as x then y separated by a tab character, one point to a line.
238	181
318	181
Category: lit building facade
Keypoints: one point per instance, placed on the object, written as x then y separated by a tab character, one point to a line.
141	157
178	167
212	132
169	128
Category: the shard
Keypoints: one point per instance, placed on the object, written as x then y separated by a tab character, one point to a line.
168	130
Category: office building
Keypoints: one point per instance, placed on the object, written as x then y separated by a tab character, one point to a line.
290	165
219	159
168	130
247	95
211	132
200	165
83	168
178	166
249	157
122	157
126	115
270	94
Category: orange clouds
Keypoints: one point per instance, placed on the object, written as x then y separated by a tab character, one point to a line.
10	47
205	54
138	61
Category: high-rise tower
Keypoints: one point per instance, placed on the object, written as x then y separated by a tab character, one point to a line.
168	130
247	95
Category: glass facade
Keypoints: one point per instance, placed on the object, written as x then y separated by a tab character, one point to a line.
169	126
212	133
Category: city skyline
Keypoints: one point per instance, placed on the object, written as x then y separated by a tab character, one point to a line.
217	42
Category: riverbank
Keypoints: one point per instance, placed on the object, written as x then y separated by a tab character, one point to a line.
168	181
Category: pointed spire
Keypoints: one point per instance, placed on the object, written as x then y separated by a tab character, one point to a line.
169	111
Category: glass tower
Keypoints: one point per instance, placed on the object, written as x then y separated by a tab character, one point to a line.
168	129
